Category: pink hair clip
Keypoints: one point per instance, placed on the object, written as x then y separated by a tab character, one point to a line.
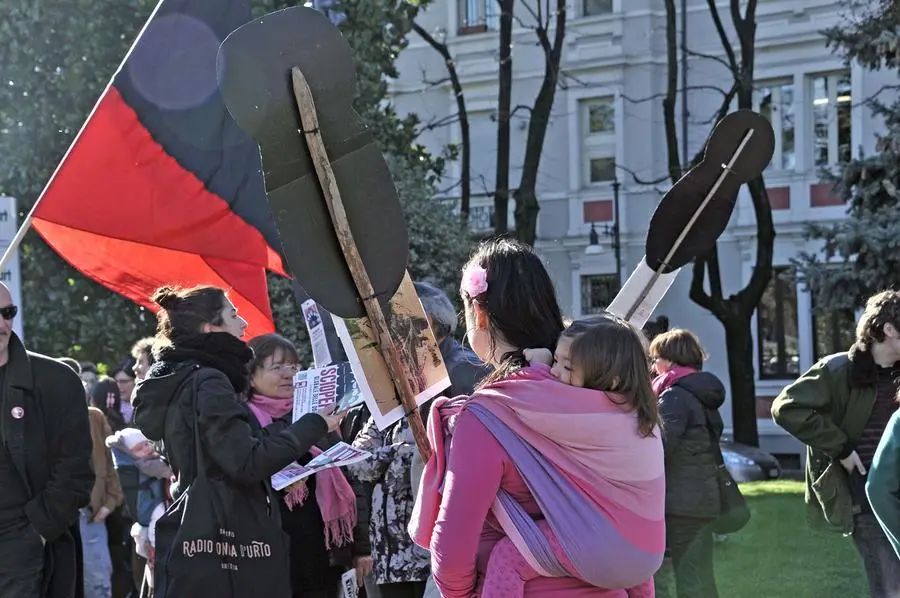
474	281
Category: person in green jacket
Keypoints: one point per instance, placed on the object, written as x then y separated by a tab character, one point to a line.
883	485
839	409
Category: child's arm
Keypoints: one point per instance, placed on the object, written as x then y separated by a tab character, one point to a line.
154	467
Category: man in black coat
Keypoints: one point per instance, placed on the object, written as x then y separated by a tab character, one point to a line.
45	469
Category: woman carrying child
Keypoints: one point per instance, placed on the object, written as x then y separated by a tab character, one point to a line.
545	482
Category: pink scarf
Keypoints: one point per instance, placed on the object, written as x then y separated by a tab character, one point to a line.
664	381
335	496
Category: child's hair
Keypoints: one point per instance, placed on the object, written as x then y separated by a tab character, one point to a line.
520	300
681	347
612	355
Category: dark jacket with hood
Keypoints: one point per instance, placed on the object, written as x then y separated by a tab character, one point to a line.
49	442
213	366
691	455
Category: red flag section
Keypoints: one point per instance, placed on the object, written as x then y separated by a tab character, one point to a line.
149	194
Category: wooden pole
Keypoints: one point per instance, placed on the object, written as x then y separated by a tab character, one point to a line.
309	120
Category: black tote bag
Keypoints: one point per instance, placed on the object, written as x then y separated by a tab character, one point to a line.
734	513
220	539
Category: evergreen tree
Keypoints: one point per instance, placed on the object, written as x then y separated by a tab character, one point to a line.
861	251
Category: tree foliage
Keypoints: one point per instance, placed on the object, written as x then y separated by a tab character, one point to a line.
54	64
862	252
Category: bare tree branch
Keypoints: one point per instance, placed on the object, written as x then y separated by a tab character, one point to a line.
874	97
662	95
504	100
462	115
674	160
718	59
523	107
527	205
639	180
437	123
723	37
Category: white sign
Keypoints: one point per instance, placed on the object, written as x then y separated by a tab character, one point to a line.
10	274
349	587
316	329
644	288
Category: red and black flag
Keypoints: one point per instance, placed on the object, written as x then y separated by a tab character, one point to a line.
160	186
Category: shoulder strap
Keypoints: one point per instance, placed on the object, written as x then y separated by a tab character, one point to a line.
195	414
713	441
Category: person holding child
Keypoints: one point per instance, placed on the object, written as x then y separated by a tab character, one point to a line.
547	481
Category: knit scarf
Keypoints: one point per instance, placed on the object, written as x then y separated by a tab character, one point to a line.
219	350
334	495
664	381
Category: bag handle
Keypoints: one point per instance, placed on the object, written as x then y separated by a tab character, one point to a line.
713	440
199	463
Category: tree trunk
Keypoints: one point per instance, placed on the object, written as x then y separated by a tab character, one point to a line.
735	311
465	157
504	106
527	205
739	345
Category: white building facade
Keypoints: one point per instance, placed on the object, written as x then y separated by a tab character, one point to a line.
607	124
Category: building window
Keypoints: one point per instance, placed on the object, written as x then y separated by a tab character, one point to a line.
477	16
775	101
598	122
834	331
591	8
831	104
597	292
777	336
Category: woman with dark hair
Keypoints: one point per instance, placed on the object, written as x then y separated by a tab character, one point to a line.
106	498
125	379
104	395
318	514
194	400
689	402
518	461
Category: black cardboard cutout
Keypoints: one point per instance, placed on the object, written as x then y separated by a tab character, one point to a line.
254	73
684	198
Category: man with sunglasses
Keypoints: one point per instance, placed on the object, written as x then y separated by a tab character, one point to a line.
45	468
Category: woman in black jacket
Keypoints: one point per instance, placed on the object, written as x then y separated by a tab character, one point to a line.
318	557
200	382
689	402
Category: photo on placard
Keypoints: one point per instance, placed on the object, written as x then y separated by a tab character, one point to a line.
419	353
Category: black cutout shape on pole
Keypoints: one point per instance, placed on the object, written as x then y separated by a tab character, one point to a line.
254	72
702	201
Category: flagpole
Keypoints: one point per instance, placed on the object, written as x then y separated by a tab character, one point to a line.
26	223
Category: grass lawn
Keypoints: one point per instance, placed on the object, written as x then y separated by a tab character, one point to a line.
778	555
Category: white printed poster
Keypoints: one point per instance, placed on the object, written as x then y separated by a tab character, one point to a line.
316	329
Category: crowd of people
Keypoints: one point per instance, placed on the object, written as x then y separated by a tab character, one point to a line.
569	458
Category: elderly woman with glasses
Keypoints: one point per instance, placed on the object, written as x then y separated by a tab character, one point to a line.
319	513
